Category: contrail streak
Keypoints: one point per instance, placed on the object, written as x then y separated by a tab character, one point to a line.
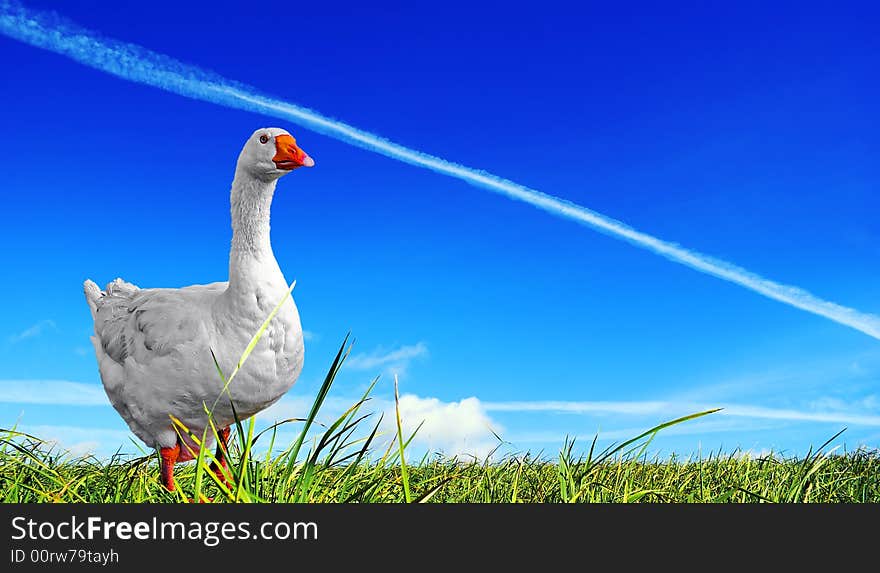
131	62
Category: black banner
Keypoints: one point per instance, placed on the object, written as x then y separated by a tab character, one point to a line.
77	537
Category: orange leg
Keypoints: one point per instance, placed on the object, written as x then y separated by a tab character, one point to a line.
222	451
169	458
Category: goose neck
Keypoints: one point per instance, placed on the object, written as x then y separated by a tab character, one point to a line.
251	250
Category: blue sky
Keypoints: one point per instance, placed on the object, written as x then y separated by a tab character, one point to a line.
746	133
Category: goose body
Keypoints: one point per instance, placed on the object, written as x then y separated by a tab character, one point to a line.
154	346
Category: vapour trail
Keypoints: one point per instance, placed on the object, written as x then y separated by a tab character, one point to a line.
131	62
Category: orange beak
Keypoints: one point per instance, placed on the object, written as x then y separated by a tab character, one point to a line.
288	156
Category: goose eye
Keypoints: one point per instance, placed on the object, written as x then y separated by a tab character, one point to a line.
264	138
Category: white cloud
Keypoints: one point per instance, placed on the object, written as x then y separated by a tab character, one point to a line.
299	406
800	416
755	454
287	407
308	335
674	409
846	374
79	441
59	392
391	362
80	449
699	426
582	407
866	404
454	428
33	330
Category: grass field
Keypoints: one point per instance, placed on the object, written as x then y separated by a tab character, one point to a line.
338	464
36	475
341	462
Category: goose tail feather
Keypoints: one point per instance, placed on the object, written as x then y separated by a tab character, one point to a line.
93	295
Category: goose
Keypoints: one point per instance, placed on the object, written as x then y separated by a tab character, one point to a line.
154	345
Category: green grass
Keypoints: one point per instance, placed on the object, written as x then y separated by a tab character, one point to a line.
30	472
342	462
339	464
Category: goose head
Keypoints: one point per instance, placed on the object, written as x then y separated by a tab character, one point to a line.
271	152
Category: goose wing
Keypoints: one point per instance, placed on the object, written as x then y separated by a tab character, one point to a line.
146	324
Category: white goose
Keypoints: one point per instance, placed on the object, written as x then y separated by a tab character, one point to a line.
154	345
